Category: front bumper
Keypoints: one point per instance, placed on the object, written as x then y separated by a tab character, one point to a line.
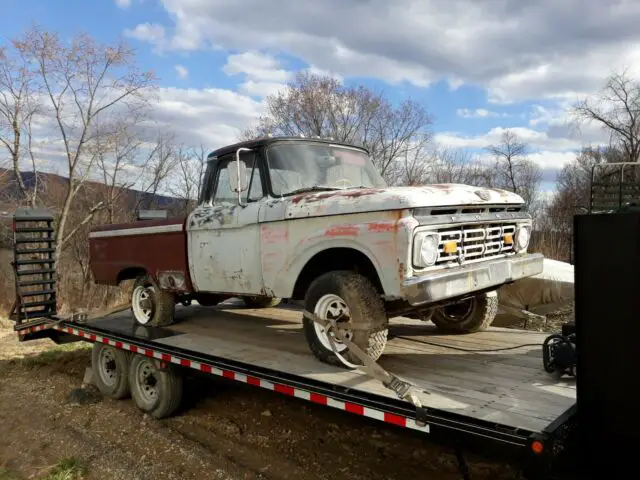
466	279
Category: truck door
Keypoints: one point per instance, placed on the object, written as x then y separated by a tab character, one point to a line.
223	236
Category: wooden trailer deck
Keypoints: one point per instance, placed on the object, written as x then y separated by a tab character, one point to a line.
508	387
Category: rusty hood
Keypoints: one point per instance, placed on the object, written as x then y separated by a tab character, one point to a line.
395	198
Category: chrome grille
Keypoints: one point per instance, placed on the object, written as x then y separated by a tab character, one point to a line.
475	241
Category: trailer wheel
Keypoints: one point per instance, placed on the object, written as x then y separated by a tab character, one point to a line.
261	302
355	298
151	305
471	315
157	391
110	368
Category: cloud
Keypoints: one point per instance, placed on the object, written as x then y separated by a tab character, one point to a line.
212	117
182	71
153	33
516	50
123	3
263	73
479	113
544	141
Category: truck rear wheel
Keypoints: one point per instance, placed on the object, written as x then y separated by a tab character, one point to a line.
151	306
355	298
110	368
157	391
261	302
471	315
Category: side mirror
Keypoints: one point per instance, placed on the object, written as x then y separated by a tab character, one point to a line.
237	176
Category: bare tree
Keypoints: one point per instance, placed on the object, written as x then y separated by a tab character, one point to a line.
316	105
514	170
156	167
83	81
18	106
190	165
459	166
617	109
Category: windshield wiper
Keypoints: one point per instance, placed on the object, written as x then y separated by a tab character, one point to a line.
314	188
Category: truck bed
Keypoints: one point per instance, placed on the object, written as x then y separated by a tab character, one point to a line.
477	375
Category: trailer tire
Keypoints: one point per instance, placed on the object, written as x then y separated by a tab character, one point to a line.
110	367
151	306
261	302
156	391
334	291
471	315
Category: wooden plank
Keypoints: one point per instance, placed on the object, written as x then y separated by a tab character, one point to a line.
508	387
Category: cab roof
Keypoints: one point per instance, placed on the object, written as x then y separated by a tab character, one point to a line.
264	141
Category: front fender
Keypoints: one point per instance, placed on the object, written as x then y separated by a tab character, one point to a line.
383	237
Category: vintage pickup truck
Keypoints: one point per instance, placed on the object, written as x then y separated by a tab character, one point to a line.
312	220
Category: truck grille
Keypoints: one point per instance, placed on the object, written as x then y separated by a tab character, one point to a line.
475	242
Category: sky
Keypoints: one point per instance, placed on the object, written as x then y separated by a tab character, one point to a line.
478	66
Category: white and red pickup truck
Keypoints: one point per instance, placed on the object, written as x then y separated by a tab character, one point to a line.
312	220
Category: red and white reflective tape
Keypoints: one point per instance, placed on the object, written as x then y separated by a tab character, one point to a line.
321	399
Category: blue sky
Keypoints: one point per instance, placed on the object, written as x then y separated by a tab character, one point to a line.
478	66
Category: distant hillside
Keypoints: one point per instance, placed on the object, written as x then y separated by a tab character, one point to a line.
9	190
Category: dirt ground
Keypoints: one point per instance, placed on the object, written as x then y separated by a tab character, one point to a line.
224	431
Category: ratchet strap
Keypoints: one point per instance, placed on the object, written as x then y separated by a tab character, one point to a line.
403	389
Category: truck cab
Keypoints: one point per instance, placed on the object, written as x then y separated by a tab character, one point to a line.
312	220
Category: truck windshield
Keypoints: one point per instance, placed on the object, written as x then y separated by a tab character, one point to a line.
298	167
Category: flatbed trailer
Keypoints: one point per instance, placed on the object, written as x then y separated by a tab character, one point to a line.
484	391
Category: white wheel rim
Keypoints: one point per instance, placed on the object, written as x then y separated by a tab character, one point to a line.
147	381
140	296
330	306
107	367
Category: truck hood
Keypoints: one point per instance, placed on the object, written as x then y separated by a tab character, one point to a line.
395	198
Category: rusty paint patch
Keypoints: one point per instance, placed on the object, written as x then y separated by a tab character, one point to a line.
343	231
382	227
274	234
316	197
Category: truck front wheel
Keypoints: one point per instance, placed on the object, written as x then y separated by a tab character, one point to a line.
350	297
471	315
151	306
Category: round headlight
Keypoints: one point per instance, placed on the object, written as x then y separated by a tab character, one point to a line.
429	250
523	235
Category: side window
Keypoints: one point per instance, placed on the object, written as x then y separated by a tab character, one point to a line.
206	188
224	194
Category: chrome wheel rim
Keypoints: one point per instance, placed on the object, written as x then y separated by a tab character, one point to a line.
330	307
142	303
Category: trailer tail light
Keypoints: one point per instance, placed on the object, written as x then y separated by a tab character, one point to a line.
537	447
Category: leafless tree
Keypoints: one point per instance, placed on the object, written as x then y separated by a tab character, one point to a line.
18	107
159	162
190	165
83	81
616	108
453	165
317	105
514	170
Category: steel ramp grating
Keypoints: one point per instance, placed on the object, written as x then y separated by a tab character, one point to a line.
34	267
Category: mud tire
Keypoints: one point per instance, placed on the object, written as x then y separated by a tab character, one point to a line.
168	387
163	303
261	302
365	307
110	368
478	314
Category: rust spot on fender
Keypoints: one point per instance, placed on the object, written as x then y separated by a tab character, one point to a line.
401	270
342	231
382	227
316	197
274	234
